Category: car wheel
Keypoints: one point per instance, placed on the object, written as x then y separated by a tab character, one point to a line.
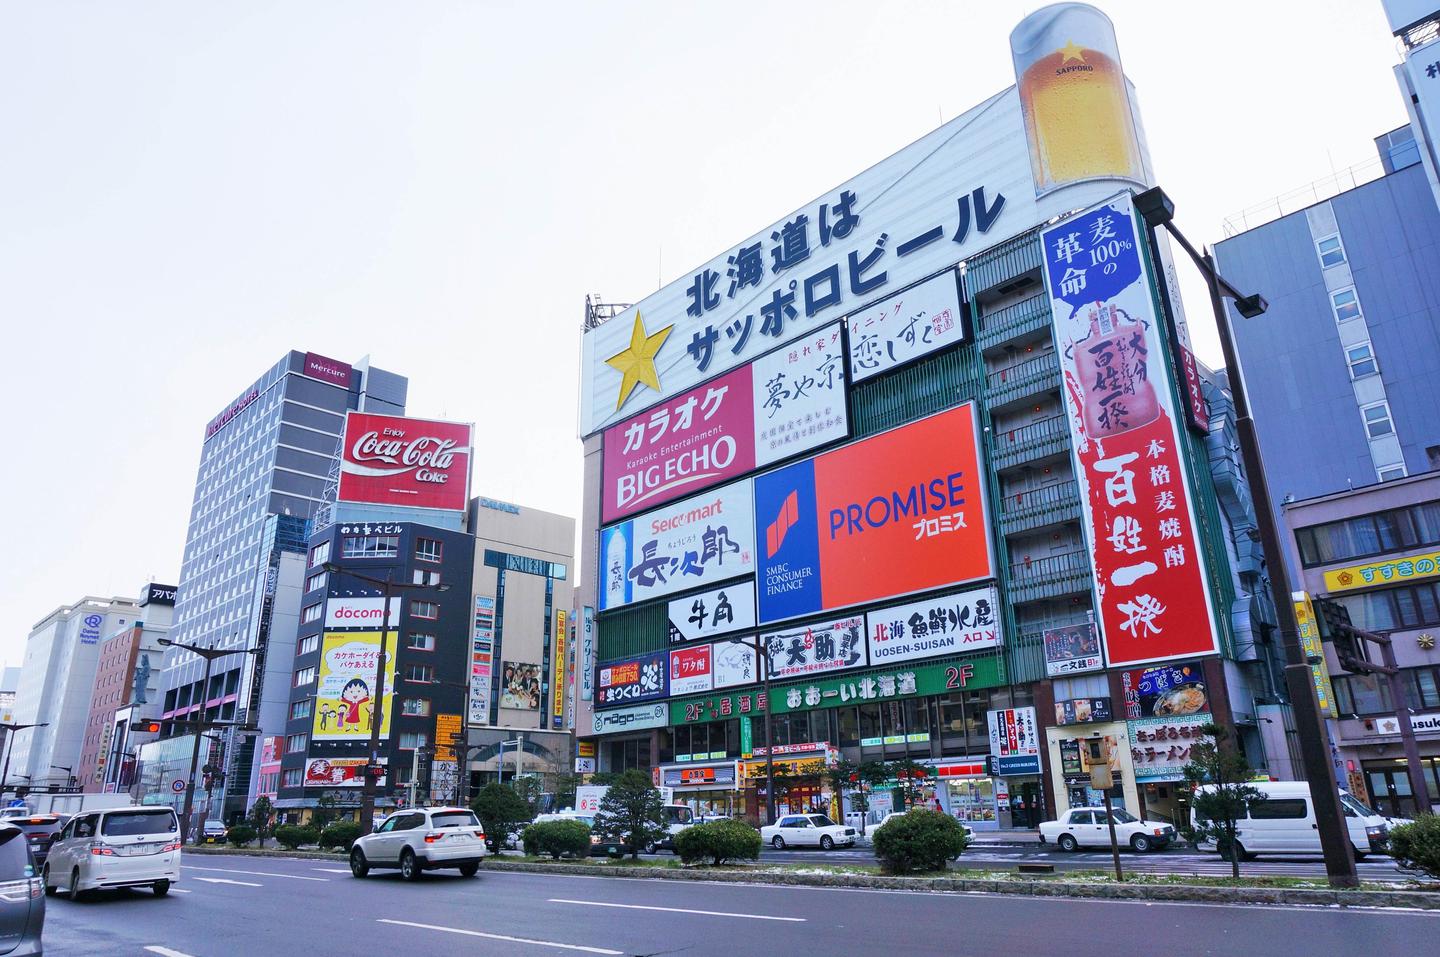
1359	856
45	879
652	848
777	842
358	865
469	870
1140	844
409	867
76	894
1067	842
826	844
161	888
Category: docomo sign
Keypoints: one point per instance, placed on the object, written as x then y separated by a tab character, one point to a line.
418	463
359	613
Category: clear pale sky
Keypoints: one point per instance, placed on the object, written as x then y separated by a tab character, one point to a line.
189	190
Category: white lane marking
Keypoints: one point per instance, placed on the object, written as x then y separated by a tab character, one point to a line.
331	870
676	910
231	870
165	951
176	890
224	880
513	940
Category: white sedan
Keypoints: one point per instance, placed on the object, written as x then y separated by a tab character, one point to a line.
1087	827
807	830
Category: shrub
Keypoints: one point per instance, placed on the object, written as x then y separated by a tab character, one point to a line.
340	834
718	841
293	835
240	835
918	840
557	838
1416	846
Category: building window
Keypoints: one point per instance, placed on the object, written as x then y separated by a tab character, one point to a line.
415	707
421	641
1392	472
308	644
311	613
304	676
1332	253
1361	361
424	674
370	546
428	549
301	709
424	609
1346	304
320	554
1393	609
316	580
1377	420
290	778
296	742
410	740
421	576
1367	535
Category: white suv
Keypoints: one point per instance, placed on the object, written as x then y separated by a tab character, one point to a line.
118	847
420	839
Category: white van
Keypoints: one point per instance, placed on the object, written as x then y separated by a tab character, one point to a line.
117	847
1284	823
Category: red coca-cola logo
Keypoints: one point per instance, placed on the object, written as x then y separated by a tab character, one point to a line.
392	460
391	446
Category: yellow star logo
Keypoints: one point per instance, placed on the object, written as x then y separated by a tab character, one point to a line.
1071	52
636	364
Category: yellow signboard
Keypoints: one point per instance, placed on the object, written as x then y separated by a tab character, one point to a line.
447	735
1314	648
1388	572
557	683
345	694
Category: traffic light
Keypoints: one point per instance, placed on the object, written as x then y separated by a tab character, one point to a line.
151	727
1333	620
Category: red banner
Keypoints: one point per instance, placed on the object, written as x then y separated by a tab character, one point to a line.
419	463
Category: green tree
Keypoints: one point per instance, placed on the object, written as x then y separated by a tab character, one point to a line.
531	790
501	811
260	814
565	785
910	775
324	812
633	812
1219	776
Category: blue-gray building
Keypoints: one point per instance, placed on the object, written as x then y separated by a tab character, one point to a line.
1343	370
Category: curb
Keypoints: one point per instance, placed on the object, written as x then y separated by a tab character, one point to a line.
1318	897
263	852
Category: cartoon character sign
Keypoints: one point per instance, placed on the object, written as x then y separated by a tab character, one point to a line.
344	695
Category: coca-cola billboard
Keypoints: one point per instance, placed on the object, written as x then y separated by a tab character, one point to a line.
392	460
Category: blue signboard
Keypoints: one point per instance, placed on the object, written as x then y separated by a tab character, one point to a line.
788	579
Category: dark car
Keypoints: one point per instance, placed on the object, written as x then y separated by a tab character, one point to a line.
22	898
41	831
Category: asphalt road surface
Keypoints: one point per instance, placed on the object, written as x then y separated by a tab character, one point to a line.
240	906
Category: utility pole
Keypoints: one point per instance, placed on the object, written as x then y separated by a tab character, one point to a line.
10	732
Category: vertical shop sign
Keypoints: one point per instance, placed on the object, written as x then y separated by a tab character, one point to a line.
482	650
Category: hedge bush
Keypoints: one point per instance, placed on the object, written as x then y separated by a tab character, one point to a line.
557	838
293	835
1416	846
718	842
340	834
240	835
918	840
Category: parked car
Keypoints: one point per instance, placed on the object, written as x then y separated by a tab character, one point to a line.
41	831
22	904
420	839
117	847
1088	827
600	845
677	818
807	830
1283	822
212	832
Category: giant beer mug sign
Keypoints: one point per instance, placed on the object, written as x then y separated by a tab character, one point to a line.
1073	97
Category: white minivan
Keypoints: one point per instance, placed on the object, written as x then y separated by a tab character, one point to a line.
117	847
1283	823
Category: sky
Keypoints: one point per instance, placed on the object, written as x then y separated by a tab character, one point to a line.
187	191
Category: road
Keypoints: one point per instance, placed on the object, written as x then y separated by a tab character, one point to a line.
230	906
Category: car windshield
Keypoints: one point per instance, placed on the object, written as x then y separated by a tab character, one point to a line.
455	819
214	826
820	820
680	815
130	823
1354	806
1122	816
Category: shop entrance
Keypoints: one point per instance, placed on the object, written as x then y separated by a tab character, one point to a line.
1027	804
1389	784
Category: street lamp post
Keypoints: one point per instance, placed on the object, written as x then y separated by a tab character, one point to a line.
69	774
10	731
1158	211
377	714
209	654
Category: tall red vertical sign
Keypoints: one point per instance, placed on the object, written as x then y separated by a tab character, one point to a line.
1154	601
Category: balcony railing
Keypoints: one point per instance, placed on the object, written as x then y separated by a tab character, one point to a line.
1021	371
1050	568
1029	315
1046	496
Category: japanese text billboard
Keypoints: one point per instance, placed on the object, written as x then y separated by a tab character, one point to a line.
557	680
1314	649
931	627
1165	691
782	404
817	648
897	513
923	319
719	611
1013	731
691	670
1072	650
482	651
634	718
736	662
393	460
691	543
337	773
345	693
1387	572
627	682
1154	602
1160	747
